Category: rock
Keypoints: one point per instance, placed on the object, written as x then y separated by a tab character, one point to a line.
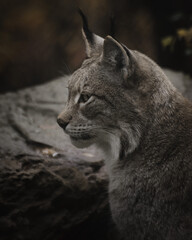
48	188
181	81
45	198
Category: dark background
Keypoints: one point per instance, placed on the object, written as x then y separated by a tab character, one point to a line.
49	190
41	39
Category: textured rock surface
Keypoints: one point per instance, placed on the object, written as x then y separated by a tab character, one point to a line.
181	81
49	189
45	198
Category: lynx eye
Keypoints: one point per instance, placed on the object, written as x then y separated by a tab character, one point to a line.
84	98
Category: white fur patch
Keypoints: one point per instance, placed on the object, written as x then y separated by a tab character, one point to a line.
76	99
133	136
98	40
110	146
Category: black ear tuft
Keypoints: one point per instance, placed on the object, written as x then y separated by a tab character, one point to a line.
93	42
88	33
112	26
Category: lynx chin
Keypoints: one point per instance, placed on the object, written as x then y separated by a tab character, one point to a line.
121	100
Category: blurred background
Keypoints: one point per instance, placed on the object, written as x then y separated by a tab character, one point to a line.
48	188
41	39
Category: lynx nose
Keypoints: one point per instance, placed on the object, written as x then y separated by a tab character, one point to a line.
62	123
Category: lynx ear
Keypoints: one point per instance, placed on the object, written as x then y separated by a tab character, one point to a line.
116	55
93	42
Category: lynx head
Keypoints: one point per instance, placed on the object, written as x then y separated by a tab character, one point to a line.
112	96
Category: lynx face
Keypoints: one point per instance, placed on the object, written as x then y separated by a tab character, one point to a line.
100	109
109	97
90	113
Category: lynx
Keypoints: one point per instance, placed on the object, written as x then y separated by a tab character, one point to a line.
121	101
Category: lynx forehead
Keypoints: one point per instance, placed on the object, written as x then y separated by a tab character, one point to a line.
121	100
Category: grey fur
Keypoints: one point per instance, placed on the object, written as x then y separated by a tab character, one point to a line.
133	113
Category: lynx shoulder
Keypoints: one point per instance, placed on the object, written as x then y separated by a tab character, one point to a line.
121	101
